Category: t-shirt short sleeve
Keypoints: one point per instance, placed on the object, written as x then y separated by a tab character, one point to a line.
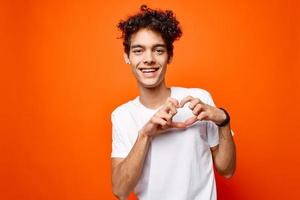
211	127
120	143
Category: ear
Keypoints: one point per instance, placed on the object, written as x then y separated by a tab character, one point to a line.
126	58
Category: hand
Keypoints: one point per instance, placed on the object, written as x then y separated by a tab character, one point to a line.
162	119
202	111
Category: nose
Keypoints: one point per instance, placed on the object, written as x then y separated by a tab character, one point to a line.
149	58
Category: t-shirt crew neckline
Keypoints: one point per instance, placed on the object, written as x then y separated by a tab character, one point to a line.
138	102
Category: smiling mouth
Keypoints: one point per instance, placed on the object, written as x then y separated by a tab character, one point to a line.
149	70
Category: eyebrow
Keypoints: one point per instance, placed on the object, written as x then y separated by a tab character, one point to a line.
141	46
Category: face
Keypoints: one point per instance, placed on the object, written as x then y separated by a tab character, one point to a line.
148	58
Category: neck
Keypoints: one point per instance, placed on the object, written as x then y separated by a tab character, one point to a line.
154	97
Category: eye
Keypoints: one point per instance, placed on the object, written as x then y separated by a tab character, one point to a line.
159	51
137	51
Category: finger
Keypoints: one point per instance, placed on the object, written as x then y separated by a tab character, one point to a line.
170	108
178	125
202	116
190	121
198	109
166	106
159	121
174	101
168	117
194	102
185	100
165	116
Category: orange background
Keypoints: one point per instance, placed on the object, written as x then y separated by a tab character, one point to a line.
62	73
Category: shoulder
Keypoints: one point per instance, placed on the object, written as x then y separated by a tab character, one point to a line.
122	110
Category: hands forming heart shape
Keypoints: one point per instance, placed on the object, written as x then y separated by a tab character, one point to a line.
163	118
196	107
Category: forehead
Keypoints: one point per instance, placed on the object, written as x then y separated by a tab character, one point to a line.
146	37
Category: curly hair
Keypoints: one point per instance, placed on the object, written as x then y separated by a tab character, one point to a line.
163	22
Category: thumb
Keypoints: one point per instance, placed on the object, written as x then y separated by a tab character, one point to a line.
178	125
190	121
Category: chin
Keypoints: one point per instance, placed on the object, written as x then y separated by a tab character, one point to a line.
150	84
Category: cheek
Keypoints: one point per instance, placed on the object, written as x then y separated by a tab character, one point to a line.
135	60
133	68
163	61
162	58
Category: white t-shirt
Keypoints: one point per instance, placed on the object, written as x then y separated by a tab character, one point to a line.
179	163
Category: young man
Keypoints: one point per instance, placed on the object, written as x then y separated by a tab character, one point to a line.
166	140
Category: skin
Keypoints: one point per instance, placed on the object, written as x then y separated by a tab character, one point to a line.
148	50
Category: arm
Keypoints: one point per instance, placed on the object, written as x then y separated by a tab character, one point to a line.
127	171
224	154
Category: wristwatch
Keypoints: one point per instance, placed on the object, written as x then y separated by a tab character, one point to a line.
227	119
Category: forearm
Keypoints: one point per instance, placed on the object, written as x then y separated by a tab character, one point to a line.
126	174
225	160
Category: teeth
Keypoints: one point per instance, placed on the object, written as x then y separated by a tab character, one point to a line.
148	70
